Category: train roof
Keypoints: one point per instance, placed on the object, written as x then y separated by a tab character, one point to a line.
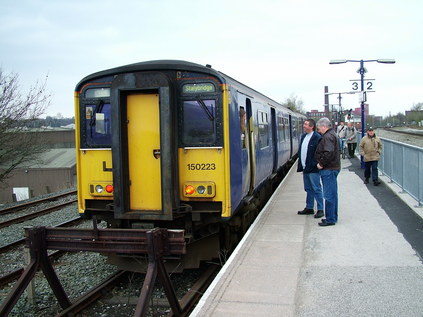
178	65
151	65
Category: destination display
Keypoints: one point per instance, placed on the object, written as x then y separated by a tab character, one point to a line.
197	88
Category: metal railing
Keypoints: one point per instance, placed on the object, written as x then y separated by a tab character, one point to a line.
403	165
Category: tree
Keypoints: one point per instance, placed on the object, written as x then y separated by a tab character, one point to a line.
417	107
415	114
17	111
294	103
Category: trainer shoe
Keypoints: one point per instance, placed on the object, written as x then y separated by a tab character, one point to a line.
366	180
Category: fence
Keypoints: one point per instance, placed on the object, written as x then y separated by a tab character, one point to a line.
403	165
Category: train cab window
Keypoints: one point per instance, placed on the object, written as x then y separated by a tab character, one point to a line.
199	123
97	125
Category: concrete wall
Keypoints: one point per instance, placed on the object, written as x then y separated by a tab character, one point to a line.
39	182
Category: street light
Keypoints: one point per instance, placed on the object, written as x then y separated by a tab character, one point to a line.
362	71
339	102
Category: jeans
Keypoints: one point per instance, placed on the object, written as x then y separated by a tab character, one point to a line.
341	143
313	189
330	194
372	165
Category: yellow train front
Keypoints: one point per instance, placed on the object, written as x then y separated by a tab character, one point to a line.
174	144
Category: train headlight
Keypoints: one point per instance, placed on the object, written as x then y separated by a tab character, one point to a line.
199	189
99	189
189	190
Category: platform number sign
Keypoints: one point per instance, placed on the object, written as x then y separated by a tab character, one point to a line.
368	85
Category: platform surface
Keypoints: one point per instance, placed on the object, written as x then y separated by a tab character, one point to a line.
287	265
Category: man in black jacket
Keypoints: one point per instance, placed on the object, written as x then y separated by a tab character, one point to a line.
308	165
329	164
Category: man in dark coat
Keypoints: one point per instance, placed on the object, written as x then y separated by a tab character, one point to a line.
308	165
329	164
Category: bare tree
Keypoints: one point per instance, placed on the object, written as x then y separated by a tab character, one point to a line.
17	111
417	107
294	103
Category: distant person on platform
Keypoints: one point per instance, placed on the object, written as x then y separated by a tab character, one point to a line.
340	130
308	165
370	149
329	164
350	135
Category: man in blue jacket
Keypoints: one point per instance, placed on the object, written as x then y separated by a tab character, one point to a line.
308	165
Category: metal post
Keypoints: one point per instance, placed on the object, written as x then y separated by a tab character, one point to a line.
326	101
30	290
363	122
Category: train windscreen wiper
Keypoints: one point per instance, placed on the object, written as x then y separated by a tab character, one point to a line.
98	109
206	110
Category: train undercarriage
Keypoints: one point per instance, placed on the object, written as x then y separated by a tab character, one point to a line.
207	236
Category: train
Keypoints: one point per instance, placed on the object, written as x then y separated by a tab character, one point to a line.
179	145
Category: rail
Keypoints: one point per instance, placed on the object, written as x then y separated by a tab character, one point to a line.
403	165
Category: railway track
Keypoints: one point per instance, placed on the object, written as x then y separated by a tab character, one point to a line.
21	241
14	275
35	214
396	134
414	132
96	295
26	204
187	302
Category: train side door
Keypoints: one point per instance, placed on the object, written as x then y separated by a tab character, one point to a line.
274	139
290	137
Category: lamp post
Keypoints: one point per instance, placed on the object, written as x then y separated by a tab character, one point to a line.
339	97
362	71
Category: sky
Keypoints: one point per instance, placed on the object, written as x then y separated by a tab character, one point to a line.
280	48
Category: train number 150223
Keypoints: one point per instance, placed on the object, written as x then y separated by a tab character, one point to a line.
201	166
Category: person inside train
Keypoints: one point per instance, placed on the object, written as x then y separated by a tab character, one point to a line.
308	165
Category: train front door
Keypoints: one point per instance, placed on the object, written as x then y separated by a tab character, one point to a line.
144	167
143	152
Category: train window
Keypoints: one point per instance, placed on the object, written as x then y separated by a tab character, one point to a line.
286	129
294	128
281	130
199	124
243	124
263	124
97	125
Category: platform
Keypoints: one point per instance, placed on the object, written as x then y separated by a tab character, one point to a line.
287	265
